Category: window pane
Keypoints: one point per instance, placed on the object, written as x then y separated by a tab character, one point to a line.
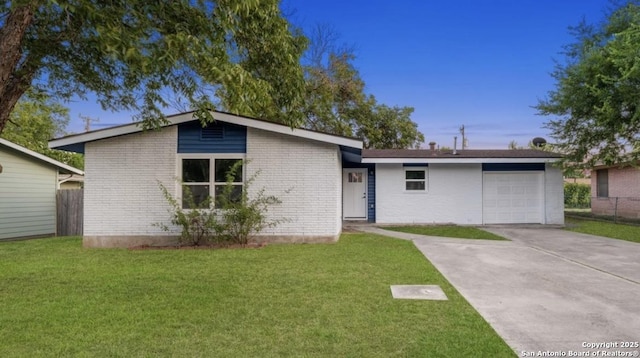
223	166
355	178
199	193
414	174
195	170
415	185
602	183
234	196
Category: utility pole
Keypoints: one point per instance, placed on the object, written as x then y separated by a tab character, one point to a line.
464	139
87	122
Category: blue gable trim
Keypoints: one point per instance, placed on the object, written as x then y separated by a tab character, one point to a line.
75	148
371	187
508	167
218	137
353	155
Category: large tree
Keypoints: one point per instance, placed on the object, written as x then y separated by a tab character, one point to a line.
335	100
239	54
36	119
596	102
384	127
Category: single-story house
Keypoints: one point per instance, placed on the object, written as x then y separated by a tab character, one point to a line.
28	184
330	178
615	190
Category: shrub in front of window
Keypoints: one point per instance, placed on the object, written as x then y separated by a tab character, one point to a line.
199	224
243	216
231	217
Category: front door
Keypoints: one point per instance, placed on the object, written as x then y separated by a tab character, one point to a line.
354	194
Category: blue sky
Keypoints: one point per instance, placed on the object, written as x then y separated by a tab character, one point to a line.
480	63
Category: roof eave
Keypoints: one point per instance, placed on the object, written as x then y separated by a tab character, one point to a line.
224	117
458	160
41	157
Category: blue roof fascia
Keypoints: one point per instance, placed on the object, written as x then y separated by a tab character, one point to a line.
353	155
75	148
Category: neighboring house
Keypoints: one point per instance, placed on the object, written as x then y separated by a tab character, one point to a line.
615	190
28	184
330	179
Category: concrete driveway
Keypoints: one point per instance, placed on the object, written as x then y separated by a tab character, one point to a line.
547	290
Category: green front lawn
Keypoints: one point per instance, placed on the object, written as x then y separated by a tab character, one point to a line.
601	228
59	299
462	232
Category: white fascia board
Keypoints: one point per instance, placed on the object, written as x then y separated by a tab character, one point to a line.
224	117
112	132
92	136
41	157
283	129
459	160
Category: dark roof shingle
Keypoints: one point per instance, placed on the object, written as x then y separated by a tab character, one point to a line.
467	153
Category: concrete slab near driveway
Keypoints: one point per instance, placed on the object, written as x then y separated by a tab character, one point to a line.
418	292
547	290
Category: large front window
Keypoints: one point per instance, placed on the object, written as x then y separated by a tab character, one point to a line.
206	178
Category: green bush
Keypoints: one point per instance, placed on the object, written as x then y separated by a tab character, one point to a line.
235	218
577	196
199	225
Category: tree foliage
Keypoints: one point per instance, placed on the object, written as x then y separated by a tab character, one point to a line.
596	101
239	54
384	127
35	120
577	196
335	100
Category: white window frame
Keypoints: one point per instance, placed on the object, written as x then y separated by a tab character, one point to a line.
212	171
415	169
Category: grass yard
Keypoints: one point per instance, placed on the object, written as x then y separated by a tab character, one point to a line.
601	228
59	299
462	232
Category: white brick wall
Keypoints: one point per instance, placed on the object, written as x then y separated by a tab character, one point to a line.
554	195
122	197
311	169
454	195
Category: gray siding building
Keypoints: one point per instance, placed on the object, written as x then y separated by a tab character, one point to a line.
28	184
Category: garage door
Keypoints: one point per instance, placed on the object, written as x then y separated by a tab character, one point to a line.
513	198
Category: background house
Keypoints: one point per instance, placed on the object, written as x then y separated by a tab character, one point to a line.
28	184
615	191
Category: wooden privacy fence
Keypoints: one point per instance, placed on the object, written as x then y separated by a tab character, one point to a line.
69	213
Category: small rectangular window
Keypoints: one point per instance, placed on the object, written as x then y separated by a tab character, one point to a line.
415	179
602	183
355	177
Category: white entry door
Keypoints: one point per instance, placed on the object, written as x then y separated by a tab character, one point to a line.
354	194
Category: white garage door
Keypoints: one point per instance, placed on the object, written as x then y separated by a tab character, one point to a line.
513	198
